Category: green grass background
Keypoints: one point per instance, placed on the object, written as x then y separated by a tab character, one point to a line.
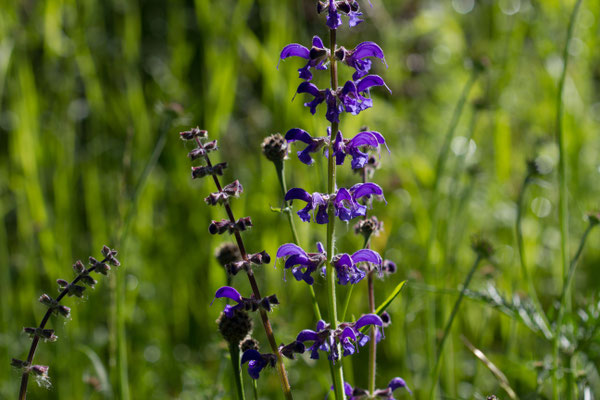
89	155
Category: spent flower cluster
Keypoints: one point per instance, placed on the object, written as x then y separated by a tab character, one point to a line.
54	307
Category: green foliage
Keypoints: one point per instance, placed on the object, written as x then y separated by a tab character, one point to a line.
92	97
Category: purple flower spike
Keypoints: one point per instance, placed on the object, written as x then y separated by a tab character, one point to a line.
316	56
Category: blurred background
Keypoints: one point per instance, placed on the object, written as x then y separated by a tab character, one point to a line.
93	94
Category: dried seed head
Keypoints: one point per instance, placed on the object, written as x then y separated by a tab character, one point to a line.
368	227
482	247
249	344
236	328
389	267
275	148
594	218
227	253
533	168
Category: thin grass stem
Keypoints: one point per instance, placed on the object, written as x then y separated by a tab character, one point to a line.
436	368
234	352
563	195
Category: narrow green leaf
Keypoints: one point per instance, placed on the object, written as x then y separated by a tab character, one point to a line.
390	298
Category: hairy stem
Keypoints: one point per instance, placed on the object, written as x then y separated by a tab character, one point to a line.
436	369
285	384
563	214
372	342
36	339
338	382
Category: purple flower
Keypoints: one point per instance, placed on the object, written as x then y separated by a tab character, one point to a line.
347	334
315	201
243	303
358	393
314	144
356	58
334	20
345	202
326	95
256	362
316	56
352	97
230	293
346	266
363	139
303	264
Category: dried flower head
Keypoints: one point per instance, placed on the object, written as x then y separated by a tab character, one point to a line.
275	148
235	328
227	253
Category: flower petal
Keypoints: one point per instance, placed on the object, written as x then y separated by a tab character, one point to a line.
369	49
317	42
367	255
294	49
365	189
310	88
290	249
251	354
368	319
370	81
398	383
298	134
229	292
307	335
299	194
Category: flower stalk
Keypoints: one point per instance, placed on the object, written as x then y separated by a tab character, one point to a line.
285	384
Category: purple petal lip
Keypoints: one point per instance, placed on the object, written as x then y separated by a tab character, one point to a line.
307	335
366	189
229	292
298	193
310	88
369	49
250	355
367	255
298	134
317	42
370	81
348	333
368	319
294	49
290	249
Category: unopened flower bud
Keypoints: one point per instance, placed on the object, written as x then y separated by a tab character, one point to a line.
243	223
193	133
275	148
88	280
20	364
99	267
211	146
234	189
216	198
389	267
260	258
78	267
62	283
46	334
39	370
387	320
289	350
236	328
196	153
266	302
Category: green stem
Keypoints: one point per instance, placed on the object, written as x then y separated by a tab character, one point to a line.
436	369
522	258
279	167
255	388
562	181
373	341
234	352
338	383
